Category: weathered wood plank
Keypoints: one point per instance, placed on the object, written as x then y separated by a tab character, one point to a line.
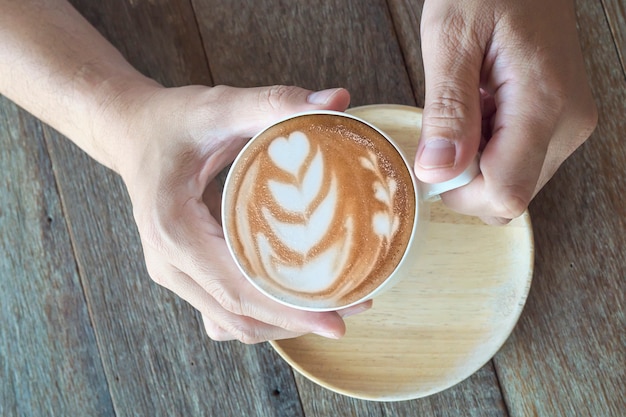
615	11
155	354
565	357
319	45
47	344
326	44
407	15
320	402
158	37
567	354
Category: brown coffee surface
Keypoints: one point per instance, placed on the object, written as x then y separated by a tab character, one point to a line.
319	210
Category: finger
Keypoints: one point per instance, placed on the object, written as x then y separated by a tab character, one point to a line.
195	246
216	274
237	114
232	307
220	324
451	123
225	283
248	110
214	331
513	158
260	334
253	315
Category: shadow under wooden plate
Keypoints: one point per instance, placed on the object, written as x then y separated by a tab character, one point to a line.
447	318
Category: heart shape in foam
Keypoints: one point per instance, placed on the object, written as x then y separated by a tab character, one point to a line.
290	153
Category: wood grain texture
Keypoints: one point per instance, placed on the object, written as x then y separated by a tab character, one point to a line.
615	11
88	333
567	354
158	37
318	45
47	343
407	15
156	357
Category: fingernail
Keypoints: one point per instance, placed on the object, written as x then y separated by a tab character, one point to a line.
438	153
321	97
327	335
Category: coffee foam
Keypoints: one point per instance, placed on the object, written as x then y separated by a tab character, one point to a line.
319	210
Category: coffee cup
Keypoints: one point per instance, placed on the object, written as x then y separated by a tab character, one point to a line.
322	211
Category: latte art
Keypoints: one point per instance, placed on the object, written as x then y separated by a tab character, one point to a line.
313	271
319	212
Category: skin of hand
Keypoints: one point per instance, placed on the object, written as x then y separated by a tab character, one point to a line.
193	133
507	78
168	145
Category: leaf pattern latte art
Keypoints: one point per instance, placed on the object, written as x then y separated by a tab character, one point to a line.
317	271
309	190
385	223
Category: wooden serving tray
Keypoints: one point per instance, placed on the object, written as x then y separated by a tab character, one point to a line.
444	320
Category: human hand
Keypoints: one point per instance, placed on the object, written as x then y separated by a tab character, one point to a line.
187	136
168	145
508	78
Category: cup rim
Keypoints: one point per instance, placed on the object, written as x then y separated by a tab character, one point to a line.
410	243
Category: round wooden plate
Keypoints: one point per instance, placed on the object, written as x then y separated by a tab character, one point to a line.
444	320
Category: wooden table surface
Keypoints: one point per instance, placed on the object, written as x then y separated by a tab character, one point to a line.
85	332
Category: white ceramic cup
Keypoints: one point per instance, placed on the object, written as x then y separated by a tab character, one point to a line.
266	267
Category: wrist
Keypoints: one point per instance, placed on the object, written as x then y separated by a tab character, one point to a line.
117	119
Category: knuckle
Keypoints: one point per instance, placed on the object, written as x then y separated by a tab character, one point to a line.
154	230
511	206
448	111
448	106
215	332
218	93
246	334
152	237
159	279
156	274
219	98
271	98
229	300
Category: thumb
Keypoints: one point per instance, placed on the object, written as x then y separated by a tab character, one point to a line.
451	123
233	115
249	110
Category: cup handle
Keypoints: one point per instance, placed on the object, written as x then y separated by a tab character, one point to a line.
431	192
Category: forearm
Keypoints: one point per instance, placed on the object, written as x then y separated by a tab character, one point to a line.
55	65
